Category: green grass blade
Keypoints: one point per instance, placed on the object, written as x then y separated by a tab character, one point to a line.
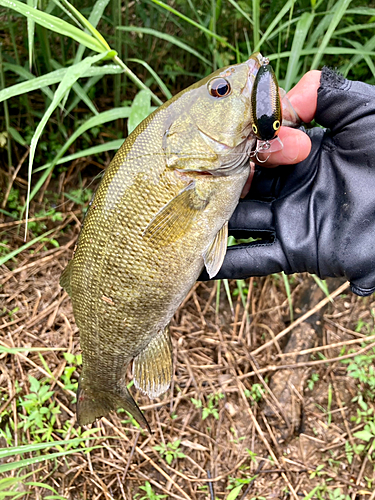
82	95
168	38
15	350
31	32
40	458
111	115
55	24
70	77
42	82
354	28
256	25
299	38
95	121
15	252
322	285
94	32
340	9
101	148
33	447
362	52
241	11
282	27
274	23
288	294
32	83
16	136
319	30
157	78
94	17
134	78
140	109
229	296
197	25
362	11
91	82
47	487
329	50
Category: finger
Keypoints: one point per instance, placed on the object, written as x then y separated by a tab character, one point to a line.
247	185
244	261
296	148
304	96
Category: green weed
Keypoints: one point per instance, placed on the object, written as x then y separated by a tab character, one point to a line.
73	361
211	405
256	393
40	414
149	493
312	381
170	451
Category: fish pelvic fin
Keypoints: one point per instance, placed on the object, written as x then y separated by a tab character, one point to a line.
93	404
214	254
152	368
65	278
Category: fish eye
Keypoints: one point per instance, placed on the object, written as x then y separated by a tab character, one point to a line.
219	87
276	125
255	129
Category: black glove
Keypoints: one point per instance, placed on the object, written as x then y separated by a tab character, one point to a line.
318	215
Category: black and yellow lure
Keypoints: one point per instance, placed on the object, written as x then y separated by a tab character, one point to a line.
266	110
265	104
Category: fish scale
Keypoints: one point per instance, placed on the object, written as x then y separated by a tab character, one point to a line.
158	216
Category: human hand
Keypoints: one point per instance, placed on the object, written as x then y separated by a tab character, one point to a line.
317	215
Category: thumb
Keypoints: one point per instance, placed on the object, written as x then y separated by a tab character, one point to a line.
254	259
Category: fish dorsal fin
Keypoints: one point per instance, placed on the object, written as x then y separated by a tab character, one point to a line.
175	218
215	252
152	368
65	278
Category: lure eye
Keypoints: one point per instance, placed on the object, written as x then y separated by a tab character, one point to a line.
219	87
276	125
255	129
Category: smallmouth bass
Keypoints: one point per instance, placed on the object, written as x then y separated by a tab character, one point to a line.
159	215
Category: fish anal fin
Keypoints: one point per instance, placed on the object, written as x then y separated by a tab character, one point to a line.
175	218
93	404
215	252
65	278
152	368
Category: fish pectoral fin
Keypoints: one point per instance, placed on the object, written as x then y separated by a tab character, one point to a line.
214	255
65	278
152	368
176	217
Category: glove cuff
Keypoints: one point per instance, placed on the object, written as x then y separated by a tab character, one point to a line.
362	292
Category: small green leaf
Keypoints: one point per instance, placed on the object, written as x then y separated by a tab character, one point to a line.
235	492
365	435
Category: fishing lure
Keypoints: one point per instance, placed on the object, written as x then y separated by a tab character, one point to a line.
266	111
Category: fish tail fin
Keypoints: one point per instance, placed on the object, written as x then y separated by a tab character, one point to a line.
93	404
